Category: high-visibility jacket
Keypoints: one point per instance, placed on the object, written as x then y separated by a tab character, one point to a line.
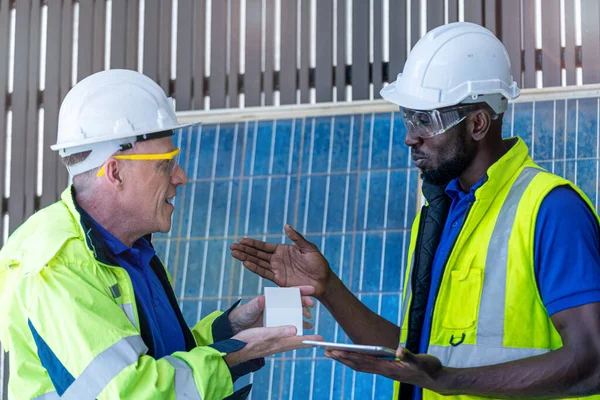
488	309
71	326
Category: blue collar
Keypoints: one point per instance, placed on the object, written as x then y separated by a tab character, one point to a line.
455	192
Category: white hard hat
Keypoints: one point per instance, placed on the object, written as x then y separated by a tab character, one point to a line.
109	109
455	63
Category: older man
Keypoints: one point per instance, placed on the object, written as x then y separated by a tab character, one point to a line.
502	299
87	308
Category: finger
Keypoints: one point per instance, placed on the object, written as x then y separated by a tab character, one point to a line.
247	257
306	313
258	244
265	273
278	332
306	290
403	354
297	238
307	325
251	251
308	302
315	338
356	357
349	363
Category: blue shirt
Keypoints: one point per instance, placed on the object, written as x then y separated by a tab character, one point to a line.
149	292
567	251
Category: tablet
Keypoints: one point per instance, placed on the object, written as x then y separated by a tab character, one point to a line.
375	351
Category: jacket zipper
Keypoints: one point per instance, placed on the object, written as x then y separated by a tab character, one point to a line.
437	289
416	254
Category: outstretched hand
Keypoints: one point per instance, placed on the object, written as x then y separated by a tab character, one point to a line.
416	369
301	264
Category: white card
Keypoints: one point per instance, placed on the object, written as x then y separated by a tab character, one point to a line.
283	306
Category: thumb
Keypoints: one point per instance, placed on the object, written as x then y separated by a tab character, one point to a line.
257	305
295	237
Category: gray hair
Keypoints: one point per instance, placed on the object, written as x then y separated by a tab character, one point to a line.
85	180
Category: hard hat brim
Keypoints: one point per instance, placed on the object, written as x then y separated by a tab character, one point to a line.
96	140
390	94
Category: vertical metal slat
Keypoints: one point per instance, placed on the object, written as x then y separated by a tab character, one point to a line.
340	67
85	51
415	22
233	89
489	17
474	11
398	34
360	50
570	48
164	44
118	34
99	36
269	72
198	40
133	20
377	67
511	36
183	83
551	43
252	77
452	11
324	65
590	38
303	79
218	57
287	75
529	44
151	38
435	14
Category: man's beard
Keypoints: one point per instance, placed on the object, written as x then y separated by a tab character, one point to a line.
454	167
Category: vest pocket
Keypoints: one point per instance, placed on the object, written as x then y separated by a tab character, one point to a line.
463	302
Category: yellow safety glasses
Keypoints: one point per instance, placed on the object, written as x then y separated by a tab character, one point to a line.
173	156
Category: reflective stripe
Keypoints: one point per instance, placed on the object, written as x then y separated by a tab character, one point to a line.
185	386
469	355
490	324
48	396
128	310
408	285
105	366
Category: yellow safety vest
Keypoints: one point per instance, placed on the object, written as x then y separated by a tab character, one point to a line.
488	300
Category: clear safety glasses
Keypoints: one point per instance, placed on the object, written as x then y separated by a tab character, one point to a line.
427	124
172	157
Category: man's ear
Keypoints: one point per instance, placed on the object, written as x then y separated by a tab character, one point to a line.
480	121
113	172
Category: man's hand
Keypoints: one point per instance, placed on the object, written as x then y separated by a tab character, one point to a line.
285	265
263	342
250	315
415	369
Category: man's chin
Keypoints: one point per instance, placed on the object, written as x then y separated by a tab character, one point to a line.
433	177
